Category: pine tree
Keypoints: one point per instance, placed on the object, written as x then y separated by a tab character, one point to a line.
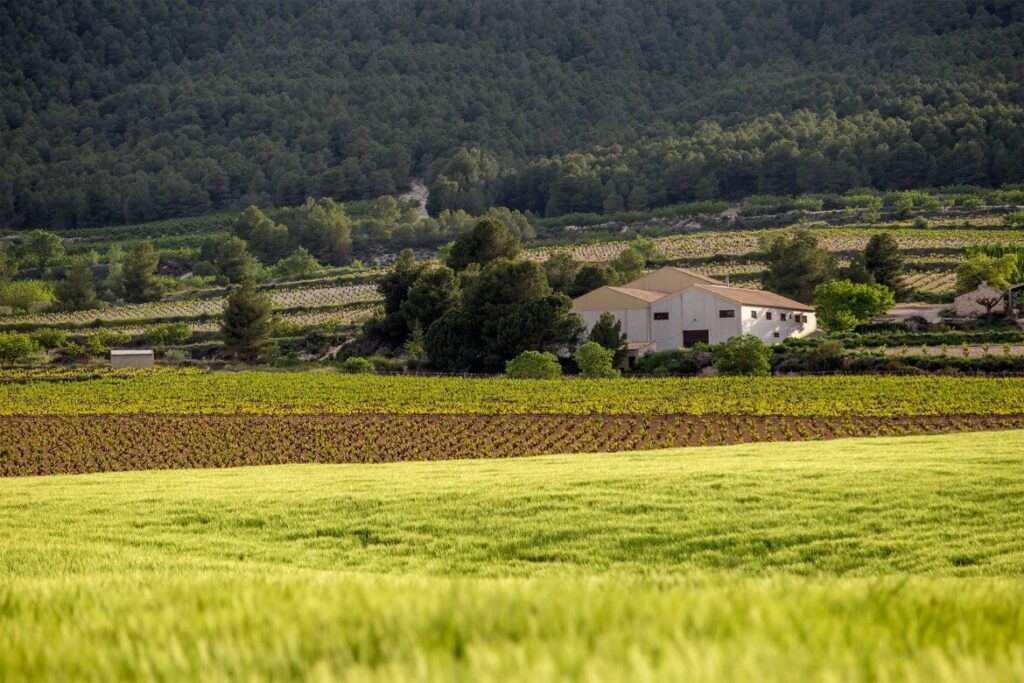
796	265
139	274
607	332
76	292
246	325
884	261
233	260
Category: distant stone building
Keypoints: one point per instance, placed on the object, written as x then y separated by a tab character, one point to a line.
985	299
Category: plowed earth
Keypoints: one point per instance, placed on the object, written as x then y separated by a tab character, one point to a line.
37	445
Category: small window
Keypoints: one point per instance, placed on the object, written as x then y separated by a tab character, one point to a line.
661	316
727	313
782	317
753	314
775	334
768	315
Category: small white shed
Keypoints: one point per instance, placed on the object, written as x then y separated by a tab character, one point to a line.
131	358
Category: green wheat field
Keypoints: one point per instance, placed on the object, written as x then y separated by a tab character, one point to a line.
892	559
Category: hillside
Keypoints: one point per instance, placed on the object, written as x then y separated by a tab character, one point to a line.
118	114
880	559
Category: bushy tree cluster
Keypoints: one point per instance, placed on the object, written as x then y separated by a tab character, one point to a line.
480	310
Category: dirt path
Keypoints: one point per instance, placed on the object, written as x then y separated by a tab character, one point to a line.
418	193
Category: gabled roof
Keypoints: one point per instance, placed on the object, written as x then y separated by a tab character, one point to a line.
671	279
648	295
754	297
699	276
614	298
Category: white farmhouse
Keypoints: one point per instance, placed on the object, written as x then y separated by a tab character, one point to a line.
672	308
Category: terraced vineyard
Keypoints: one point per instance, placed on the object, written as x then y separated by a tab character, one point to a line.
283	299
162	420
931	254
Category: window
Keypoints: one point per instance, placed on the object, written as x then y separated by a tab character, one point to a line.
727	313
775	334
753	314
782	317
768	315
661	316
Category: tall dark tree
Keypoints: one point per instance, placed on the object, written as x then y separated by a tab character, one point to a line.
607	332
796	265
590	277
323	227
394	287
247	320
884	260
542	324
856	272
560	269
434	291
139	274
452	342
76	292
233	260
489	239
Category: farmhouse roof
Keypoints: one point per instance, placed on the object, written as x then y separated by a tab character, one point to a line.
670	279
699	276
648	295
754	297
131	352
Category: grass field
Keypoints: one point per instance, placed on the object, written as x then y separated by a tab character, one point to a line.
869	559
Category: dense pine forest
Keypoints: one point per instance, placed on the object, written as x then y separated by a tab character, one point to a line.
124	112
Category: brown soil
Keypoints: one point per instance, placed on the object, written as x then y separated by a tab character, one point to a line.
55	445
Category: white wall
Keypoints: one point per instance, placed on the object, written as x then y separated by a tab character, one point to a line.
766	329
635	321
693	309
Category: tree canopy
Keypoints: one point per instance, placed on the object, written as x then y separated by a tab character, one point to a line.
126	112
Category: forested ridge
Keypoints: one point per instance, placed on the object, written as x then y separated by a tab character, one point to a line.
115	112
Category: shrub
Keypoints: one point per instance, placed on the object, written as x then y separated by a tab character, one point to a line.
15	347
1014	219
358	366
22	295
920	223
50	337
842	305
673	362
595	361
204	269
168	334
826	357
743	355
533	365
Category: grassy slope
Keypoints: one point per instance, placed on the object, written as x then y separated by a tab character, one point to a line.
891	558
